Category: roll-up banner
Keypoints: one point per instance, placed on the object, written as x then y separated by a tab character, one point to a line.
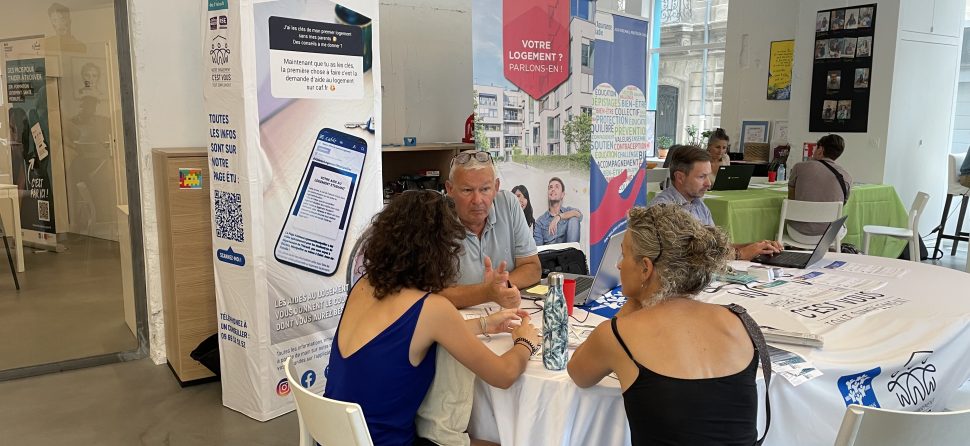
623	128
293	185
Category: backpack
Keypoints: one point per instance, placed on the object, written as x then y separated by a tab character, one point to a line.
567	260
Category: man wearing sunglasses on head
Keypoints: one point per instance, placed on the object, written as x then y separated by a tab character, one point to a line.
499	256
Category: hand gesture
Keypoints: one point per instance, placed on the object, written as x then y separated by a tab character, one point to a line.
764	247
504	321
554	224
527	330
497	286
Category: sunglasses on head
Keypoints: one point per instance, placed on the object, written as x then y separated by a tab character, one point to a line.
465	157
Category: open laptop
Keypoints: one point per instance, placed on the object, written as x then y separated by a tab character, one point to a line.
801	260
733	177
607	277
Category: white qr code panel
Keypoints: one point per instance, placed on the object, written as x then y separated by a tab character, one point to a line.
227	210
43	210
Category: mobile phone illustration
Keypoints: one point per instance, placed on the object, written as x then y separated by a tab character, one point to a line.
314	232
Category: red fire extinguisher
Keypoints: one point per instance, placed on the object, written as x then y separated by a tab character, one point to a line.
469	130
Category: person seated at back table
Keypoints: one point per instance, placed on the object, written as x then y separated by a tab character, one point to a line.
384	349
821	180
690	176
687	369
560	223
717	146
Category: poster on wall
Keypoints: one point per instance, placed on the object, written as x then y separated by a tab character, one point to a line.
292	185
623	131
536	121
31	147
842	69
781	57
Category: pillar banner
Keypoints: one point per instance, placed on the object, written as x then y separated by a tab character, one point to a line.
293	186
623	129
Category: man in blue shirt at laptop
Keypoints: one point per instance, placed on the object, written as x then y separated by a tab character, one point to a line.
690	178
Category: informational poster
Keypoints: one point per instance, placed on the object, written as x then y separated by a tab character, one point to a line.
30	140
623	129
779	69
535	44
293	187
842	69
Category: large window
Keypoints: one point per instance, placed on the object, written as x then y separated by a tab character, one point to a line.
691	51
63	173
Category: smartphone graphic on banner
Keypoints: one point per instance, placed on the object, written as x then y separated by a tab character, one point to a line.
313	235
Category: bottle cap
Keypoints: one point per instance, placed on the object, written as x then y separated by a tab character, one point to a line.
555	279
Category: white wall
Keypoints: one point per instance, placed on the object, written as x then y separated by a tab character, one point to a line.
752	26
166	44
426	69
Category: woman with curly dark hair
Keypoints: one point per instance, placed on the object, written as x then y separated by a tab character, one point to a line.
383	354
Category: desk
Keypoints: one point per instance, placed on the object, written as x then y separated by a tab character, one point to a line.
751	215
12	223
912	356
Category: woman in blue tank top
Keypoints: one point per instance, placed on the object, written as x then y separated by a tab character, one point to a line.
686	368
383	354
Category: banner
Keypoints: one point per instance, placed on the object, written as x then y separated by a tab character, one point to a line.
779	69
623	128
536	44
292	185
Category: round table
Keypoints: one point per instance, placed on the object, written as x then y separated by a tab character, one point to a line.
909	356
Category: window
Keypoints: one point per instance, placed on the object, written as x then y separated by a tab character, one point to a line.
553	126
587	111
495	142
692	37
586	53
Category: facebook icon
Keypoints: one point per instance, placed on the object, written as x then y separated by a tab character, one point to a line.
308	378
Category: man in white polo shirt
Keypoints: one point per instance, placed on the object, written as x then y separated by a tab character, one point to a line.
499	257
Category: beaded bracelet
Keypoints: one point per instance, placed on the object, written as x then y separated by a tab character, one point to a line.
533	349
484	325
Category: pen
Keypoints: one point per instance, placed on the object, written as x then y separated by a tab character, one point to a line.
508	283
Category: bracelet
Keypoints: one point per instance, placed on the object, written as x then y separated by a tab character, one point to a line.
481	320
524	345
533	349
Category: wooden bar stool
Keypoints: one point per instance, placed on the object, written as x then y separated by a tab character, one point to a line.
954	190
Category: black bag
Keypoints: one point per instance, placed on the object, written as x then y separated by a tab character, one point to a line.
568	260
207	353
923	253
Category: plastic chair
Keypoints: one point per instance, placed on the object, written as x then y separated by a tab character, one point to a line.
808	212
871	426
910	233
326	421
953	189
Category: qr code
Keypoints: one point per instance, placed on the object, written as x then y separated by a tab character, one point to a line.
228	216
43	210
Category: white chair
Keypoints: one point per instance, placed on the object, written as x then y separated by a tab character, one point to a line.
953	189
326	421
808	212
871	426
911	232
656	177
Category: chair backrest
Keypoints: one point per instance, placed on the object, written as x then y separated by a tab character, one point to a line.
871	426
956	160
355	264
919	203
326	421
809	212
655	178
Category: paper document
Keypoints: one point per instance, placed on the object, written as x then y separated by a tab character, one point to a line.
884	271
835	280
792	366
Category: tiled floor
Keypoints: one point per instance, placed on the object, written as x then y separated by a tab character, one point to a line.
139	403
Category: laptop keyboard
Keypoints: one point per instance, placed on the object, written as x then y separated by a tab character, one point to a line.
785	257
583	283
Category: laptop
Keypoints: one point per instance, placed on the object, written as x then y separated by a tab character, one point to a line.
733	177
801	260
589	288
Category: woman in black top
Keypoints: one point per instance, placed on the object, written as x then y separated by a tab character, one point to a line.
686	368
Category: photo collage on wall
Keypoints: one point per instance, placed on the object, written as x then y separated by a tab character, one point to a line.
842	69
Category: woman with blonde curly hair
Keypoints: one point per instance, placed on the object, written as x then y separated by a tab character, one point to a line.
686	368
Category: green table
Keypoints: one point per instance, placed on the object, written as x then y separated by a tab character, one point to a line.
753	214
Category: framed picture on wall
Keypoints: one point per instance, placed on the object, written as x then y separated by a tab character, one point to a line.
755	132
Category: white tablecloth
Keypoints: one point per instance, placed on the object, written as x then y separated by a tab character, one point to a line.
912	356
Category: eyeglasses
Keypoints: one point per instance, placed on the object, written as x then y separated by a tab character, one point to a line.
465	157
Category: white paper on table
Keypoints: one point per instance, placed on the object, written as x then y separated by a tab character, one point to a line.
792	366
803	290
836	280
884	271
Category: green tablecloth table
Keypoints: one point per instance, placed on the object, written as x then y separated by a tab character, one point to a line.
751	215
